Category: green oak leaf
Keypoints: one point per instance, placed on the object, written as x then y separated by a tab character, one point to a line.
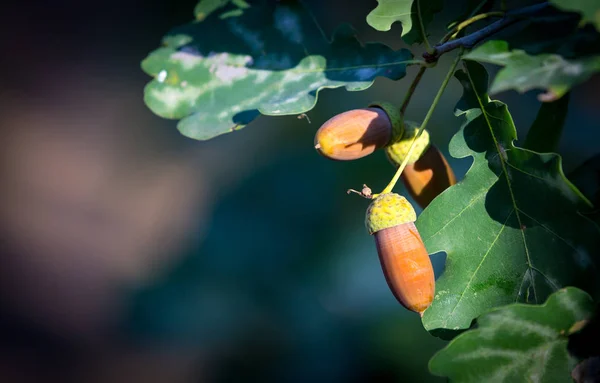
219	74
407	13
524	72
518	342
589	9
512	228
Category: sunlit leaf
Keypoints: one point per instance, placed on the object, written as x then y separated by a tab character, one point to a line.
512	228
219	74
523	72
517	343
407	13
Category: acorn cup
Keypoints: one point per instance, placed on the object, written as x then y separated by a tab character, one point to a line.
402	254
427	173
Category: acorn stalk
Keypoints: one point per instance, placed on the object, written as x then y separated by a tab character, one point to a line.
402	254
427	173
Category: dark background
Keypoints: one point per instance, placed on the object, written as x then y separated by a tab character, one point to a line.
130	253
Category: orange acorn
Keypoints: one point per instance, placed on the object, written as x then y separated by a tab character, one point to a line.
404	259
357	133
427	173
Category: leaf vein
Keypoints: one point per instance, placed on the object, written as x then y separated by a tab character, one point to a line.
486	116
483	193
479	265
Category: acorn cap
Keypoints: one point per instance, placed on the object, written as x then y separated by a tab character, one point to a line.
388	210
395	117
397	151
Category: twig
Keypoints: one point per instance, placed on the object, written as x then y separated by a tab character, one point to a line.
411	90
471	40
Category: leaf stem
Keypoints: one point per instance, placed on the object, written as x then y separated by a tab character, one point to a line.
471	40
422	27
411	89
438	96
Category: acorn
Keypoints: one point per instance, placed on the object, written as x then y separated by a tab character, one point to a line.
406	265
357	133
427	173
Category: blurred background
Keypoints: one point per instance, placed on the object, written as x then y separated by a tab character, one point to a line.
129	253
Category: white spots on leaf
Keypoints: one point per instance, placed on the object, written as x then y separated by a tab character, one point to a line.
486	353
575	69
162	76
511	323
228	68
261	76
565	302
228	74
188	61
289	24
291	77
171	99
500	56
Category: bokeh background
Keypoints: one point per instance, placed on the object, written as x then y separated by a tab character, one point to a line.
129	253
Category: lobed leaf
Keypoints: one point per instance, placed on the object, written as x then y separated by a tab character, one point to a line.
512	228
219	74
517	343
407	12
524	72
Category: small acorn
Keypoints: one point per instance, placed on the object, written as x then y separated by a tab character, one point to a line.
427	173
404	259
357	133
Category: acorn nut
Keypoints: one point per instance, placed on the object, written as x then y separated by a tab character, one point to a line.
402	254
357	133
